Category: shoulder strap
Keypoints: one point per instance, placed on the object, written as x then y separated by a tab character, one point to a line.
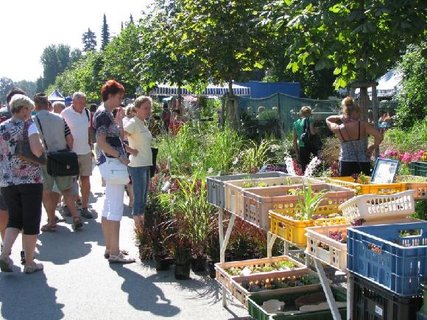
41	129
87	114
358	137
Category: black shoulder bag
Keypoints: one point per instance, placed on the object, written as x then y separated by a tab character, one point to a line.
61	163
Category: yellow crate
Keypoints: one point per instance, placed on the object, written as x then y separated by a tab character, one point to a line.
370	188
418	184
285	227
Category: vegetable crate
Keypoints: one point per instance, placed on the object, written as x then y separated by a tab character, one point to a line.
369	188
329	250
292	309
215	184
371	301
258	201
379	207
284	226
234	190
418	168
289	281
224	276
392	256
418	184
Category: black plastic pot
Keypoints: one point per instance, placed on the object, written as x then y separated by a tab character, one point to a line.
198	264
211	269
163	262
182	270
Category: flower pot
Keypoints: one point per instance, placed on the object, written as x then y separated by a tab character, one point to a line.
211	269
182	270
163	262
198	263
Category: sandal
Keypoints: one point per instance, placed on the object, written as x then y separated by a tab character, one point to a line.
6	265
49	228
34	267
107	253
77	224
120	258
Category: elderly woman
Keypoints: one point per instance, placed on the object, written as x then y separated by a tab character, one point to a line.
139	167
109	135
353	133
21	183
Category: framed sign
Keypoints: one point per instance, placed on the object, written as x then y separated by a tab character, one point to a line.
384	171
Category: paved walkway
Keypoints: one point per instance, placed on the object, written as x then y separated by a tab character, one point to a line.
78	283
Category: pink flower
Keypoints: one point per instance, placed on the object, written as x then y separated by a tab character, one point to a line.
406	157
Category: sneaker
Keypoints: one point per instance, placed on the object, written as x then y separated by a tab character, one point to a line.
34	267
85	213
77	224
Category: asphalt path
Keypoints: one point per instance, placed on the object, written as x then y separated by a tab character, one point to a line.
78	283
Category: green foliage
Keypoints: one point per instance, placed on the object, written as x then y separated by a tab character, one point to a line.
412	98
360	39
410	139
308	202
6	85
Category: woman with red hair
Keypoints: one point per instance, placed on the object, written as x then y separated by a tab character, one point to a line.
109	134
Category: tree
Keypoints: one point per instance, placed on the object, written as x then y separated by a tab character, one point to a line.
30	87
105	33
360	39
89	41
412	99
6	85
55	59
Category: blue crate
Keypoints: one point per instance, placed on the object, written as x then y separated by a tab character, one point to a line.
380	254
216	194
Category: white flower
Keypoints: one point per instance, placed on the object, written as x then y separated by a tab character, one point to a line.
274	147
311	167
210	170
290	165
235	161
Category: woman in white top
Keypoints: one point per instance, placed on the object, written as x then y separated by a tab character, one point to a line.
140	162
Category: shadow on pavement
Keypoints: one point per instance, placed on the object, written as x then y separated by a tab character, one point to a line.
143	294
63	245
25	296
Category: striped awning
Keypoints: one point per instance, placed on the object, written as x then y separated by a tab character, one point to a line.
211	90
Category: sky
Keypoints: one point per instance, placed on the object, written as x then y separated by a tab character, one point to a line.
29	26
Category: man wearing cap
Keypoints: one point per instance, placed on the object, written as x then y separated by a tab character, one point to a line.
77	118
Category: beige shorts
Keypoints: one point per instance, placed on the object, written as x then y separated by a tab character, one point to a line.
85	164
61	183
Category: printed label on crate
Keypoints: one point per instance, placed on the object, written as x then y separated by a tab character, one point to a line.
379	311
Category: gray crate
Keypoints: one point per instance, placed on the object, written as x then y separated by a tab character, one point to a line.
216	194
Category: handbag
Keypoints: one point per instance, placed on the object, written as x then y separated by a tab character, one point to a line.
62	163
306	135
154	152
23	149
114	172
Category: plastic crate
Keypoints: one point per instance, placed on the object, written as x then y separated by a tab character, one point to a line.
215	185
379	207
242	294
285	227
326	249
383	255
370	188
418	168
418	184
371	302
234	190
257	202
290	311
224	278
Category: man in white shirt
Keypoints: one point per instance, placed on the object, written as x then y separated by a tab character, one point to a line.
77	118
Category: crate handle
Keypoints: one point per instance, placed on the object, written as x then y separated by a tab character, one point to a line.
374	247
410	233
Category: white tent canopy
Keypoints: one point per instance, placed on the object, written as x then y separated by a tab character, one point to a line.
211	90
388	84
56	96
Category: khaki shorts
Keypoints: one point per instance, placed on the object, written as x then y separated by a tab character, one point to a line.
85	164
62	183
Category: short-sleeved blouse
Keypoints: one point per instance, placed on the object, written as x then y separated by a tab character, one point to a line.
104	124
14	171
